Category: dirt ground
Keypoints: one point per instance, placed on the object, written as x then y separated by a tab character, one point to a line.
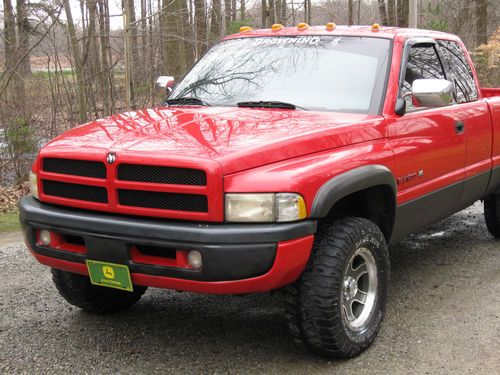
443	318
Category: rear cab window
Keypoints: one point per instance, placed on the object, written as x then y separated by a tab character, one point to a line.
459	71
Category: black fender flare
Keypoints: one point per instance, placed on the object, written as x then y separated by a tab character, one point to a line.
351	182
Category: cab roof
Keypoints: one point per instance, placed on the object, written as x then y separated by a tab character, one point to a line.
366	30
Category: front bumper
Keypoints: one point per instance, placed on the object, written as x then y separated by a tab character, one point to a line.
236	258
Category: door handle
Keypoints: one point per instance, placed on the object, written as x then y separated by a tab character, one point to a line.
459	127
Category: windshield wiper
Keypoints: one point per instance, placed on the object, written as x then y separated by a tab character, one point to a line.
269	104
186	100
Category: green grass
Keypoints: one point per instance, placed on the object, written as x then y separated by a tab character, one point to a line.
45	74
9	222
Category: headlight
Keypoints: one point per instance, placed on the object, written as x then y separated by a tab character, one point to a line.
265	207
33	185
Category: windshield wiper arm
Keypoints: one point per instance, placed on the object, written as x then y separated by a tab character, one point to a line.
269	104
186	100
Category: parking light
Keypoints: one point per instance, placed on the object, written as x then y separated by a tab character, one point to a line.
194	259
44	237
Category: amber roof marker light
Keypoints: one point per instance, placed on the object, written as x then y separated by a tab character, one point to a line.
302	26
245	29
330	26
277	27
375	27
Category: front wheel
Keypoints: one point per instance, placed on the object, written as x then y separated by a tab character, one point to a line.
337	305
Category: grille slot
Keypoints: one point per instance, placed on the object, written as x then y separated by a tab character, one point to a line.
163	201
75	191
83	168
161	175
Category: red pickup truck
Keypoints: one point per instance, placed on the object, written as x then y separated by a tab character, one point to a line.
286	158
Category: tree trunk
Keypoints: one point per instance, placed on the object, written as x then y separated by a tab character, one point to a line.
272	12
227	16
242	9
391	13
383	12
482	22
216	20
144	42
283	12
104	79
234	10
173	45
186	36
135	67
358	13
350	17
201	27
75	50
264	14
127	38
10	40
307	11
413	14
23	32
152	54
403	12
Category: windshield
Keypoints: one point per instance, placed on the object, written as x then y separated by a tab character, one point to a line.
324	73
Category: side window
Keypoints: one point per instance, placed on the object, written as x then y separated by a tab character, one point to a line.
459	71
423	63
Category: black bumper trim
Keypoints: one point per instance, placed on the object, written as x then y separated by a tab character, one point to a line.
230	252
35	212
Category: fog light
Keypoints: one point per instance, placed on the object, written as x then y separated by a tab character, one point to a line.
194	259
44	236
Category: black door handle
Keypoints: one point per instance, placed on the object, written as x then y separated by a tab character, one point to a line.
459	127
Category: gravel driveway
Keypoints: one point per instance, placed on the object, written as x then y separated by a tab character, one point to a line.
443	317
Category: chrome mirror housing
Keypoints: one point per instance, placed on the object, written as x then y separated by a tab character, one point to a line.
432	93
166	83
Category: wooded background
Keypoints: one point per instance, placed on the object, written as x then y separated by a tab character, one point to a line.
67	62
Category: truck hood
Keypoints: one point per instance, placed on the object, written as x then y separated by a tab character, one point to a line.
237	138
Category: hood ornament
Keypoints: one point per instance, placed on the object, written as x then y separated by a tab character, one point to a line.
111	158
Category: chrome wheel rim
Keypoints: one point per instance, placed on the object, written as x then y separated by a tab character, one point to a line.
359	289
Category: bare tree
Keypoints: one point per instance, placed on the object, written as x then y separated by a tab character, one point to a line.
216	20
23	32
77	58
482	22
201	27
382	9
403	12
391	13
350	10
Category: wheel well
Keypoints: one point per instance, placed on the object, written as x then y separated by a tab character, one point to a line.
376	203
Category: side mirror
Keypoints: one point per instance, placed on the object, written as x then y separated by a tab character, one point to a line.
431	92
166	83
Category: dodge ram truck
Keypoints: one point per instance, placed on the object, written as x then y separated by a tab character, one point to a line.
287	158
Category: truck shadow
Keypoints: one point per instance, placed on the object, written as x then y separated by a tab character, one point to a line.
198	331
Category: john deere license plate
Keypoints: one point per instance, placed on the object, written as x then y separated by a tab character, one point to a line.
111	275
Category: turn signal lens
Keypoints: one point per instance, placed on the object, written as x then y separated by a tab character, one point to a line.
34	185
290	207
